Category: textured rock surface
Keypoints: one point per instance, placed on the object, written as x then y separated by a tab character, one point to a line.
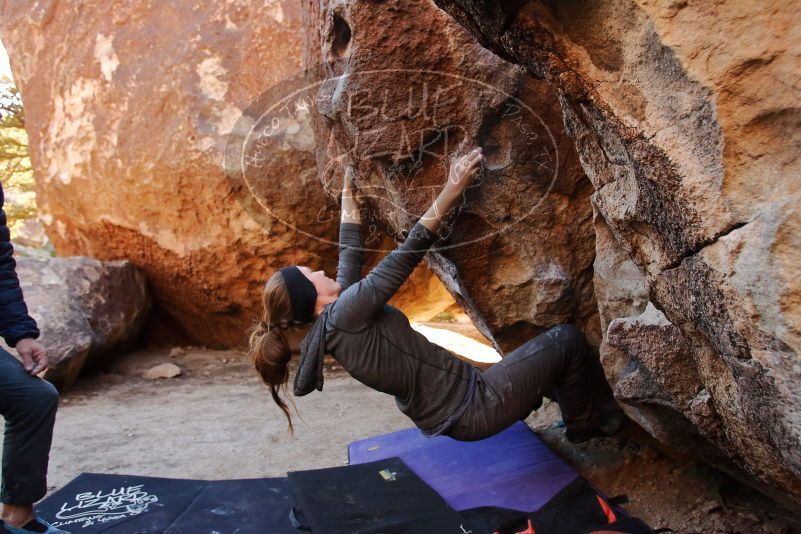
128	107
691	139
87	310
519	259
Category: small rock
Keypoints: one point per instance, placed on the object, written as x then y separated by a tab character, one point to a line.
177	351
774	526
163	370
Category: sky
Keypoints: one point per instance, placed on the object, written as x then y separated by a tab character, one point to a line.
5	69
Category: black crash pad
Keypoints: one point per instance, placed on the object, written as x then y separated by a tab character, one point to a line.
94	503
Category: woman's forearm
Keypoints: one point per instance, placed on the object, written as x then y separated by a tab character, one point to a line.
350	211
459	177
442	205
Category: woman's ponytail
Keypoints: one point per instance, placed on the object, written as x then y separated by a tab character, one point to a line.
268	346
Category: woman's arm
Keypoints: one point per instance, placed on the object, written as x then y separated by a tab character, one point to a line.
350	211
357	305
351	252
460	176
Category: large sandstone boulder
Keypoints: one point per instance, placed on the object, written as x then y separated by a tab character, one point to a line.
87	310
685	116
404	87
128	110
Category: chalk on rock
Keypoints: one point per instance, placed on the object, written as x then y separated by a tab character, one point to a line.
162	370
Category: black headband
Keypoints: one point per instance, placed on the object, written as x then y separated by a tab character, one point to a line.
302	294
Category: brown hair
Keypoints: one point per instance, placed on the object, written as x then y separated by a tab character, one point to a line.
269	347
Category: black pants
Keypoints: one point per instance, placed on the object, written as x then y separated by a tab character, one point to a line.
559	364
28	405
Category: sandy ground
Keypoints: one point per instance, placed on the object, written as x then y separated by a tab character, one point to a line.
216	421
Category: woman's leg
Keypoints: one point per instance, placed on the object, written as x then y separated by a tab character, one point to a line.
557	361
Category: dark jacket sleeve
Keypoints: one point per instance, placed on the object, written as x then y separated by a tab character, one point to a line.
357	304
15	323
351	254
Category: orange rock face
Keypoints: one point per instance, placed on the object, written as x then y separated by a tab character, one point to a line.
128	109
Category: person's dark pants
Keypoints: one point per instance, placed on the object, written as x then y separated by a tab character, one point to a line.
28	405
559	364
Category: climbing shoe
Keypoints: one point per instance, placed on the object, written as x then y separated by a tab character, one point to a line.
580	436
608	424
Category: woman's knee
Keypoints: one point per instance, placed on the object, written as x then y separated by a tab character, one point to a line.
568	334
575	345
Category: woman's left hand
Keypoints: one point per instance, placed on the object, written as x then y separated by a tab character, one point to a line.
350	210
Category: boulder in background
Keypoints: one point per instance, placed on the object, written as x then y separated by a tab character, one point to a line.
87	310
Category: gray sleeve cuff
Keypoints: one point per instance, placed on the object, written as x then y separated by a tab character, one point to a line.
421	236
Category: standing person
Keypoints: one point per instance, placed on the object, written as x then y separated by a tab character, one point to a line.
375	343
27	403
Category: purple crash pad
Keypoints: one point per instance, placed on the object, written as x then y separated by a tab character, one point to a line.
512	469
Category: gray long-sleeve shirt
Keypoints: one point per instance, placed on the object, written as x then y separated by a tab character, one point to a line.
376	344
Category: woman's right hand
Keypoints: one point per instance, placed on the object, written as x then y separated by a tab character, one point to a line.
462	172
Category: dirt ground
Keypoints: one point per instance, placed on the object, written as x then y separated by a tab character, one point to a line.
216	421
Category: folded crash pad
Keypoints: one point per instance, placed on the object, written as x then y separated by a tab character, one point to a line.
372	498
512	469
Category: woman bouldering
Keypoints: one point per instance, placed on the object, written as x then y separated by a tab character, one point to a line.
349	318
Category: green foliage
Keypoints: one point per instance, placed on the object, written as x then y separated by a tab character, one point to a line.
16	172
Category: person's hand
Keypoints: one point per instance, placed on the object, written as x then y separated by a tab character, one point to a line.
33	354
462	172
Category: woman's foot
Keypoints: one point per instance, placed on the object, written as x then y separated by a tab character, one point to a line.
608	424
581	435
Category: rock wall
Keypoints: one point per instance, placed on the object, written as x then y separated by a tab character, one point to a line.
128	110
408	87
685	116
